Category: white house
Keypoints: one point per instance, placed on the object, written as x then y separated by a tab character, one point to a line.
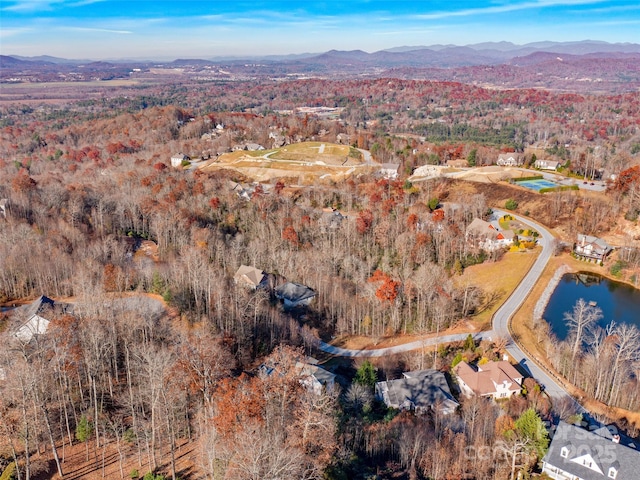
389	170
591	247
509	160
546	164
576	453
178	158
484	235
37	316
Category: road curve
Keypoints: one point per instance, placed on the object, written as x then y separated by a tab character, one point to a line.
502	316
501	319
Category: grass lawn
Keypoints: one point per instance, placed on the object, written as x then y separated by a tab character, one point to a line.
497	281
330	153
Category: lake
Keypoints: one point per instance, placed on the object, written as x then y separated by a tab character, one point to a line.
618	301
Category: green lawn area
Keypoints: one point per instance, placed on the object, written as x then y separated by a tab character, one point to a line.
497	281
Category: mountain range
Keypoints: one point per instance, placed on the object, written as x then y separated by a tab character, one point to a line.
585	64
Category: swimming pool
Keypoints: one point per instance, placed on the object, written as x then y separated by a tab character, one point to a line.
537	185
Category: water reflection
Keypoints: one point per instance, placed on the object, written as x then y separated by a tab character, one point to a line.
618	301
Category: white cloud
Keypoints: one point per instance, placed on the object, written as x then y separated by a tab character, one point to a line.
504	8
44	5
11	32
98	30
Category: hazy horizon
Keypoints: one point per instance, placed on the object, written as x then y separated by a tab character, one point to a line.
115	29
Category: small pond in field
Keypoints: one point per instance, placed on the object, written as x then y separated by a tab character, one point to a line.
618	301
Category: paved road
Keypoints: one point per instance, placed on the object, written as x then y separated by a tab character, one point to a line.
500	322
405	347
368	159
503	315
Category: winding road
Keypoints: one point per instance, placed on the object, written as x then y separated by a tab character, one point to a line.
501	319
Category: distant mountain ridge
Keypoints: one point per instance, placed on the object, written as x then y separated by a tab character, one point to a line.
487	51
576	66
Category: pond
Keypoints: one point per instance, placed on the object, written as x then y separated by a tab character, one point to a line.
618	301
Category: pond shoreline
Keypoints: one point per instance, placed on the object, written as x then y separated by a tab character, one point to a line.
616	301
543	301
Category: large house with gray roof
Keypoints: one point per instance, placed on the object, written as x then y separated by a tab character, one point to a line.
421	391
578	454
295	295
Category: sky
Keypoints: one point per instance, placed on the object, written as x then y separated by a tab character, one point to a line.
170	29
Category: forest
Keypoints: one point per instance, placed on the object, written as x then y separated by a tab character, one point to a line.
161	352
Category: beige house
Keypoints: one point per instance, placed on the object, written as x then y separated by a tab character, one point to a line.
484	235
493	379
249	277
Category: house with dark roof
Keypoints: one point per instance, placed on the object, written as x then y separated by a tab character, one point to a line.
578	454
37	316
590	247
492	379
294	294
315	378
420	391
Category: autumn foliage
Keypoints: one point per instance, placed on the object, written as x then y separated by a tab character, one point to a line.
388	289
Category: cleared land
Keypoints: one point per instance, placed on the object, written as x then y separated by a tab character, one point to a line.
308	161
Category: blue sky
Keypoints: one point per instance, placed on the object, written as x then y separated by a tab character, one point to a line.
168	29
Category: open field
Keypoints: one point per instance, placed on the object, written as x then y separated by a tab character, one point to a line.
307	161
64	92
503	276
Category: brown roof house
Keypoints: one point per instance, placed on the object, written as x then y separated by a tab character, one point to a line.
493	379
250	277
421	391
